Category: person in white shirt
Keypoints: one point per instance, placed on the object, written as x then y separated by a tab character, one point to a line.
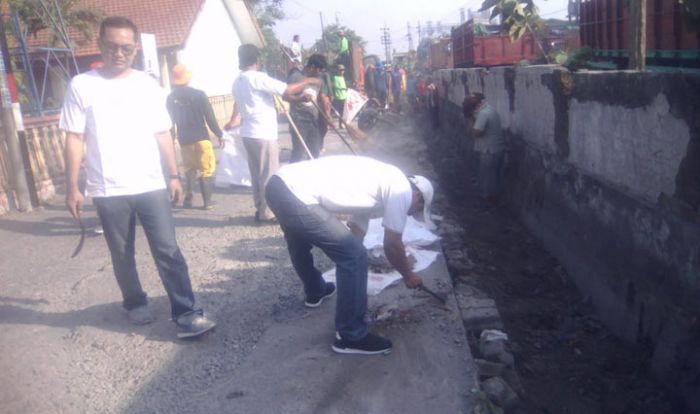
254	110
296	51
118	115
306	196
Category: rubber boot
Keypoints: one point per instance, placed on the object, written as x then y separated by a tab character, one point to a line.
190	177
207	186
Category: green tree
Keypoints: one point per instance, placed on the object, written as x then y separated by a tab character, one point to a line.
38	15
328	44
517	18
268	12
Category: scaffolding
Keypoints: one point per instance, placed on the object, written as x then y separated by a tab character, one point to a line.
34	63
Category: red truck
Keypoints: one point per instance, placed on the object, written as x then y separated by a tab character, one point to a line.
605	28
485	45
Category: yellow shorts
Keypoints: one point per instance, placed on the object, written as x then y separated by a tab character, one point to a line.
199	156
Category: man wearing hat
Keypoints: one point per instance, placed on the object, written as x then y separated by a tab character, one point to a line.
191	112
306	197
343	48
340	92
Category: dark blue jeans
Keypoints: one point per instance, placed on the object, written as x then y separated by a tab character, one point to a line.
118	217
309	130
307	226
490	166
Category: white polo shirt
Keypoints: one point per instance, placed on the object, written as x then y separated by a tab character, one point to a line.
361	186
118	118
252	93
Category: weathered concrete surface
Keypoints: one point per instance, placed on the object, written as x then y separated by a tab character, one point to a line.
604	168
66	345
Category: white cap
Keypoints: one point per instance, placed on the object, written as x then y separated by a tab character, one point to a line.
426	188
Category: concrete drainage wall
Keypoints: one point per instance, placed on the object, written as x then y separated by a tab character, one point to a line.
604	168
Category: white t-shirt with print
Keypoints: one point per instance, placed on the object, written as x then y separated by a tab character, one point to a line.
119	119
361	186
252	93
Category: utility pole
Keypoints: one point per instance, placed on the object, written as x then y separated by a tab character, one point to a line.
419	32
638	35
9	127
386	41
323	31
461	15
410	36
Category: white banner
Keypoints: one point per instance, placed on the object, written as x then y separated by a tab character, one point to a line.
354	102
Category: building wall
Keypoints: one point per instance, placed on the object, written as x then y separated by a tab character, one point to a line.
604	167
211	50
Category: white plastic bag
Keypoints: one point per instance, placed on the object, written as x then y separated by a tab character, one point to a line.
232	161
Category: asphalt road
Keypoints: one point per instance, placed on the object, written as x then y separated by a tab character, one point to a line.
66	346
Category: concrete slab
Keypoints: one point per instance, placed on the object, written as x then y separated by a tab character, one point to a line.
293	369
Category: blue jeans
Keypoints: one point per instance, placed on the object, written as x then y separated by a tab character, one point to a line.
307	226
490	165
310	133
118	218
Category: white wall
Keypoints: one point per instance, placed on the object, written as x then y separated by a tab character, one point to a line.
211	51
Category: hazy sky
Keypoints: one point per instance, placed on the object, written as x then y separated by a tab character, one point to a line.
366	17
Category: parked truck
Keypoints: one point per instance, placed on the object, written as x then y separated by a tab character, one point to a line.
605	28
486	45
440	53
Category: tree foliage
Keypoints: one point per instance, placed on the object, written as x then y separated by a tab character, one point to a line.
517	16
267	13
38	15
328	44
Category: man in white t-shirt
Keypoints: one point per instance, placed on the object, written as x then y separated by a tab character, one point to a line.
296	51
116	116
306	196
254	110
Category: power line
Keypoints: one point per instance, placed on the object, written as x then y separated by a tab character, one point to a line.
303	6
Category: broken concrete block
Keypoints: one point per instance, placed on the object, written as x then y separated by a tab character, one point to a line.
481	318
489	369
489	349
513	379
500	392
492	346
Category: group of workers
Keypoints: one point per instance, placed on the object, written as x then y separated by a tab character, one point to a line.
120	120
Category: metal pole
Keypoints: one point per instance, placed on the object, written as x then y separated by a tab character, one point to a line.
323	31
638	39
9	129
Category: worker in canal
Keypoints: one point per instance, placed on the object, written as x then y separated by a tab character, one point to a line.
489	144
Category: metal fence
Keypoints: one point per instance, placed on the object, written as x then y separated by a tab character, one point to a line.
44	154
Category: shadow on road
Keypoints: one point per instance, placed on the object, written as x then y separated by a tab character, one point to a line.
105	316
